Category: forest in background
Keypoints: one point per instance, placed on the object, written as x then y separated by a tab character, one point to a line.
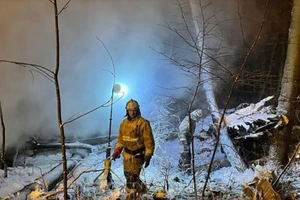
228	49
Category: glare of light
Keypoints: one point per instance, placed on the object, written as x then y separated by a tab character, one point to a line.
117	88
123	91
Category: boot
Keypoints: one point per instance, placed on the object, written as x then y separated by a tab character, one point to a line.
140	188
130	194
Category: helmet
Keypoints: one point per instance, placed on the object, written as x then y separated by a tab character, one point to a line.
132	105
196	114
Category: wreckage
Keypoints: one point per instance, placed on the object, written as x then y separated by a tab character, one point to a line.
253	120
250	127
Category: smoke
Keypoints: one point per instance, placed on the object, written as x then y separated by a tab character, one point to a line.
129	29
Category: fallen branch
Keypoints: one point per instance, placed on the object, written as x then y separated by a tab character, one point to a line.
51	178
37	145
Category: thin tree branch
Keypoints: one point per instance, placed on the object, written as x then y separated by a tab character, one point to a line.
65	7
195	46
111	58
43	74
288	164
241	25
36	68
24	64
86	113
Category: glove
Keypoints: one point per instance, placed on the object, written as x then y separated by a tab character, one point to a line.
116	154
147	161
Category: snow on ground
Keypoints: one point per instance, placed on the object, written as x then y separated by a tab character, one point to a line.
28	170
162	174
18	177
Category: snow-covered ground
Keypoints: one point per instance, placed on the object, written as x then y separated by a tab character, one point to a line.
162	174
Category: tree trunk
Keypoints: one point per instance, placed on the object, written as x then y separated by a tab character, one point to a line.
58	100
3	158
226	143
287	101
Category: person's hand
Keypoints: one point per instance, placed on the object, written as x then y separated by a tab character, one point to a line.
116	154
147	161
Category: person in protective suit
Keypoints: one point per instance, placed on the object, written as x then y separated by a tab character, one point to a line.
185	137
136	141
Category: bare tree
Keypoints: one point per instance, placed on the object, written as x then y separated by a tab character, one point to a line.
220	119
58	101
198	39
53	76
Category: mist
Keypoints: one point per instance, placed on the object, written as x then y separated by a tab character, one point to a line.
130	30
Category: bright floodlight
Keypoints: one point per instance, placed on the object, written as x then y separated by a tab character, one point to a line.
117	88
120	90
123	90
